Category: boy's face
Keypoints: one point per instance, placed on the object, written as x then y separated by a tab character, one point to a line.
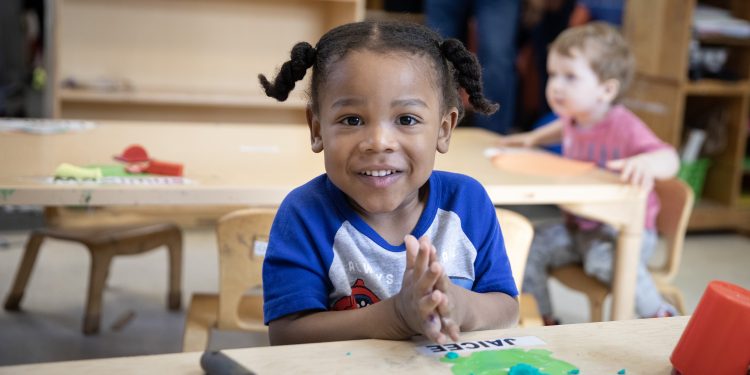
573	89
379	125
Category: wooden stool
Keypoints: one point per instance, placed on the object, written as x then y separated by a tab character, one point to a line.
103	244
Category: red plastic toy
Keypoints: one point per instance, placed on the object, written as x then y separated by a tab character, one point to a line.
133	154
164	168
716	338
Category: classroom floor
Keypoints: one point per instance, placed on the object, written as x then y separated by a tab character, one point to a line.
49	326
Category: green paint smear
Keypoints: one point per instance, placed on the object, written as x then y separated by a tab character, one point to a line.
6	193
499	362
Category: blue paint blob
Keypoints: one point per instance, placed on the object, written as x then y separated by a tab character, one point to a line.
524	369
621	372
574	371
451	355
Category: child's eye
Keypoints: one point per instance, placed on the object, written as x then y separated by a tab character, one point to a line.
570	77
352	121
407	120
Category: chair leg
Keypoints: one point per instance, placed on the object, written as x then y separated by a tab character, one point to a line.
100	262
201	317
674	296
597	310
679	302
13	301
174	298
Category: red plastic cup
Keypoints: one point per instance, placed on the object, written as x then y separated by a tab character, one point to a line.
717	337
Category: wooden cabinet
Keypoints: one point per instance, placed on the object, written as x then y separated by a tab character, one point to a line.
182	60
665	98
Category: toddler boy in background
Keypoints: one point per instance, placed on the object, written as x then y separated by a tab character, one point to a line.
589	69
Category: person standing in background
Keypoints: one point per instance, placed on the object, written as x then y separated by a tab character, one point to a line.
497	26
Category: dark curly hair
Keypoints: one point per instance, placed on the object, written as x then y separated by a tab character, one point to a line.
454	64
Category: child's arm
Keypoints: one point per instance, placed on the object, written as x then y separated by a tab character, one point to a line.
409	312
543	136
375	321
643	169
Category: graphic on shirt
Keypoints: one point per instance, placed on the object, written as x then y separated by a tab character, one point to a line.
357	256
361	297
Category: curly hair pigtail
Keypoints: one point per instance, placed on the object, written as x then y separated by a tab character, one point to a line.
469	74
302	58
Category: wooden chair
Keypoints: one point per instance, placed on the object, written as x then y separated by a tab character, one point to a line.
518	234
104	244
676	205
242	236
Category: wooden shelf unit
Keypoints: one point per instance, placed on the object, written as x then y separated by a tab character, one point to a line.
664	97
182	60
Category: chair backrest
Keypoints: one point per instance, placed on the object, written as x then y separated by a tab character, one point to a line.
676	205
242	238
517	233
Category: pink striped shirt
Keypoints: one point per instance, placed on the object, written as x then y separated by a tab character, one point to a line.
621	134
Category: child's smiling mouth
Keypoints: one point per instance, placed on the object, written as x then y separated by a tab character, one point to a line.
380	178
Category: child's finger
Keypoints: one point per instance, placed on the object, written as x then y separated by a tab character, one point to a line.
425	242
637	177
431	328
428	304
433	254
426	281
422	260
627	170
449	325
617	164
412	248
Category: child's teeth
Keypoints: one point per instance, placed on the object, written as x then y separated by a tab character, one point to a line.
379	173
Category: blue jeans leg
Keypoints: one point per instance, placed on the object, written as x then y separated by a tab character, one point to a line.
448	17
497	27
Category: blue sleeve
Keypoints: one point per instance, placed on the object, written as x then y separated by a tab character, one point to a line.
295	274
491	266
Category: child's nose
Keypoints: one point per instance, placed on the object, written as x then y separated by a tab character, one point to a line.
379	137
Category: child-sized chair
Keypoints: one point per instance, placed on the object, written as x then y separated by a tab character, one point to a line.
518	234
103	244
676	205
242	236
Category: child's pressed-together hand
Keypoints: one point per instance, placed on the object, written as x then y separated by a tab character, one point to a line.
424	302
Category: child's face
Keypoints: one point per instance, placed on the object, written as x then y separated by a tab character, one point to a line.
379	124
573	89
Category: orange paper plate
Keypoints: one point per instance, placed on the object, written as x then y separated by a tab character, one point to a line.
540	164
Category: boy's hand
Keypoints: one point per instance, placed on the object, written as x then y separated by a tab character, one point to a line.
450	323
636	170
417	302
517	140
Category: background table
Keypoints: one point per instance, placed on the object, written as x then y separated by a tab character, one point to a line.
639	346
255	164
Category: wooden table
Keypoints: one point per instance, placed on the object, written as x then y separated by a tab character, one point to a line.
639	346
259	164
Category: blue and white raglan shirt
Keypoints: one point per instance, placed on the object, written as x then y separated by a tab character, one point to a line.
322	256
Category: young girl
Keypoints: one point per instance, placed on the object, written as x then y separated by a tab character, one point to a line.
343	260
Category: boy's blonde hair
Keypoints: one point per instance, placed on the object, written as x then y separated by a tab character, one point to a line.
606	50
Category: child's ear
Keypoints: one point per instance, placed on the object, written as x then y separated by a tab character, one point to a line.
611	89
316	140
447	124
